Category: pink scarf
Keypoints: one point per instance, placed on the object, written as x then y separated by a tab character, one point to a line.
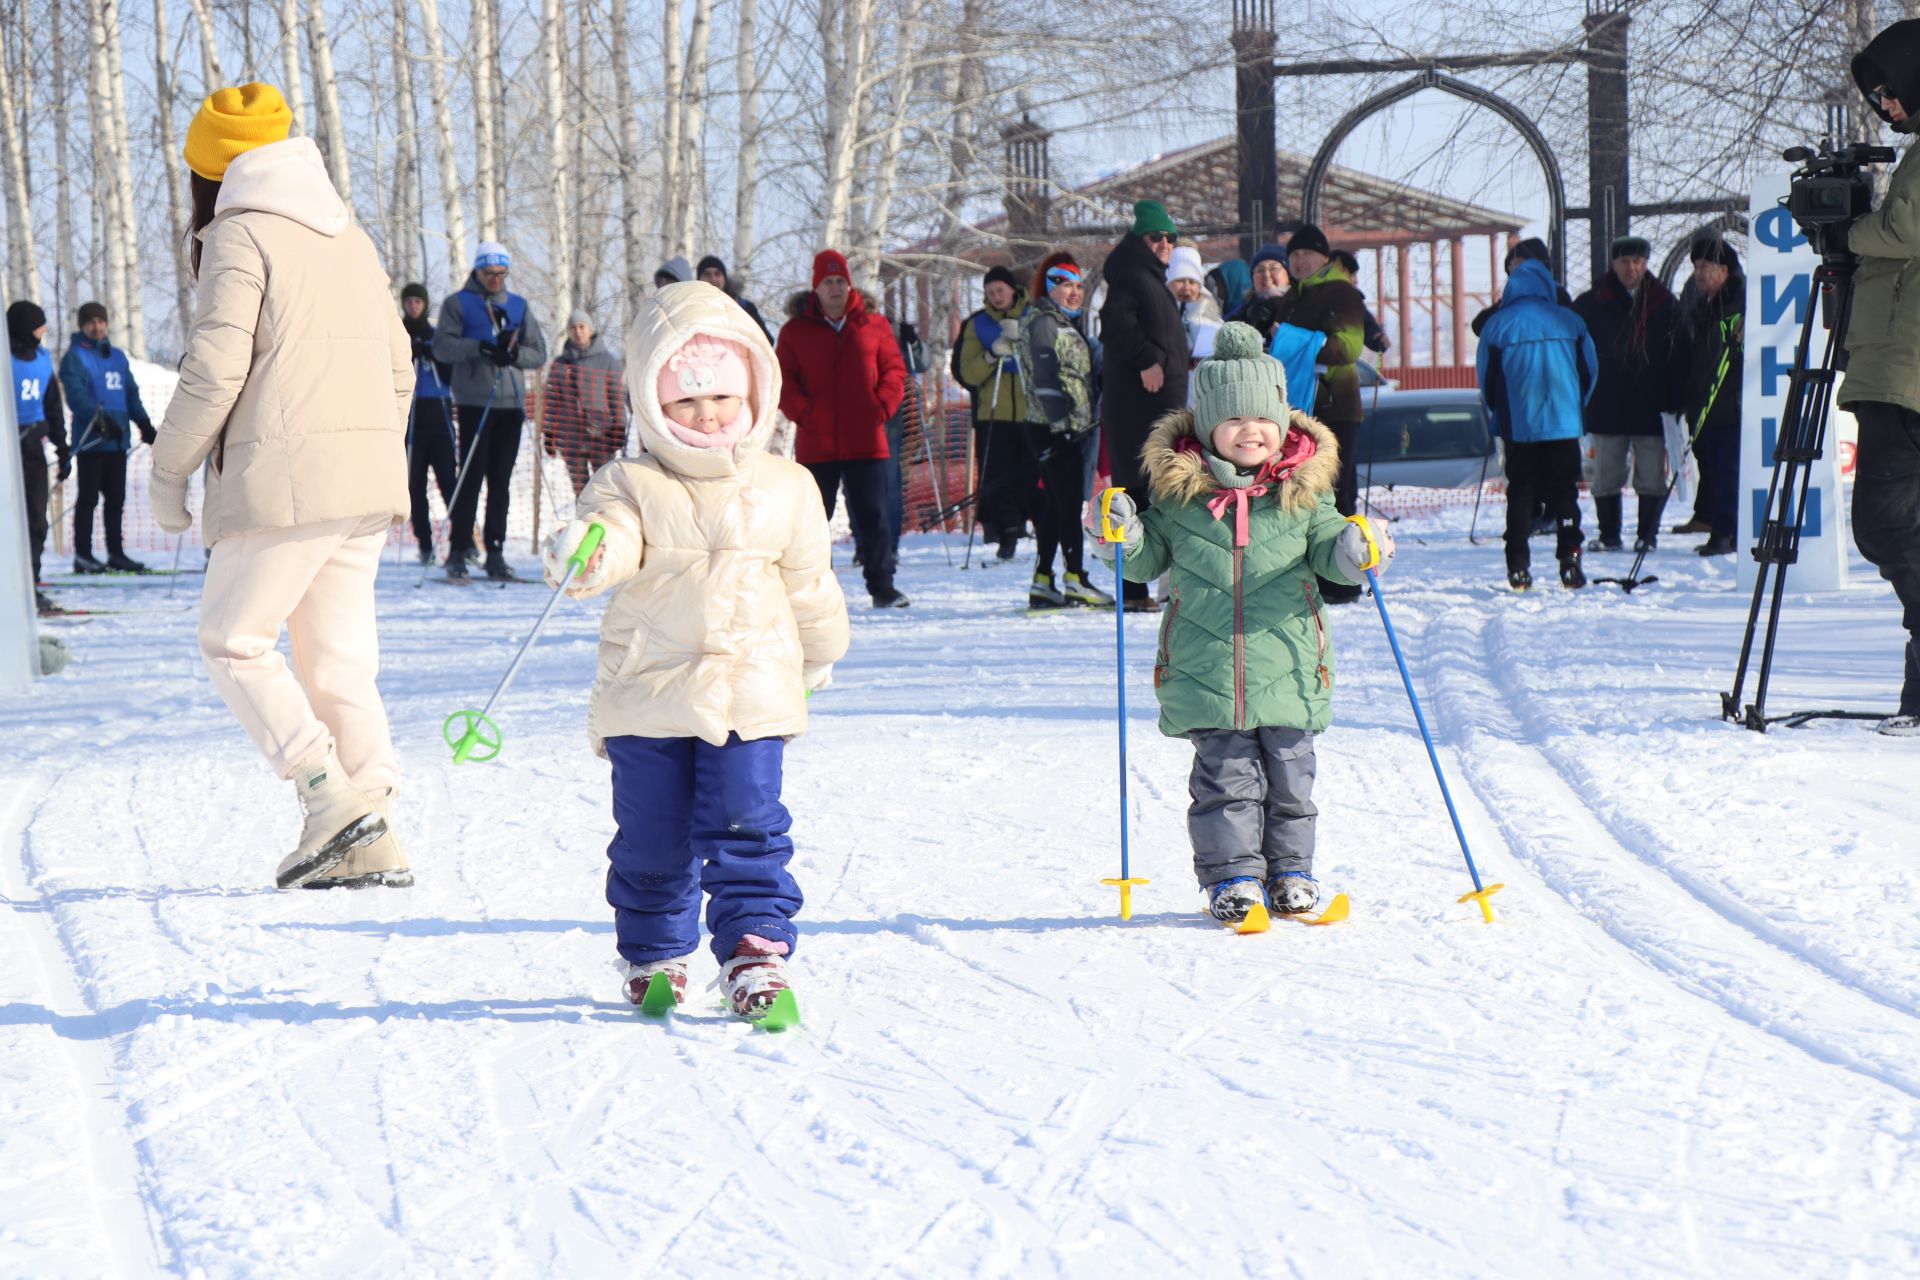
1295	448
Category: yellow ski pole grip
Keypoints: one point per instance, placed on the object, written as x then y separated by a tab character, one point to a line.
1109	532
1373	547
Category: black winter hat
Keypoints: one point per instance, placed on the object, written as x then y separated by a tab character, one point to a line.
414	289
711	261
92	311
1629	247
1892	58
1715	250
1003	275
1309	237
1532	249
23	318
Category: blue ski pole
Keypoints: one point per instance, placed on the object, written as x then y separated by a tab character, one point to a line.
1113	535
1481	894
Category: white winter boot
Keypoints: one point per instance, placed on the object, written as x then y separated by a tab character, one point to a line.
755	976
339	819
379	862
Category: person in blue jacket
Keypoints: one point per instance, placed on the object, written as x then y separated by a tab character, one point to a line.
40	418
430	430
105	403
1537	366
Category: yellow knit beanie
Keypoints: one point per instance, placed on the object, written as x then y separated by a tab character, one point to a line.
232	121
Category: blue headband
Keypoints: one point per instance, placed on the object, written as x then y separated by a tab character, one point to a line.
491	260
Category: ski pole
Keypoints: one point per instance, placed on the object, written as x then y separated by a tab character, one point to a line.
1109	533
460	479
1482	893
473	727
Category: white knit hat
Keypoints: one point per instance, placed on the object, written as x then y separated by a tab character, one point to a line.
1185	265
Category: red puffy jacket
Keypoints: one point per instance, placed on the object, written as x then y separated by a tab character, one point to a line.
840	387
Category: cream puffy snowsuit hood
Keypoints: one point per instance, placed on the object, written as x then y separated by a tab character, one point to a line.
298	372
725	609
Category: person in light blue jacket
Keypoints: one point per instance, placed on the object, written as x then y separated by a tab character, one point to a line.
1537	367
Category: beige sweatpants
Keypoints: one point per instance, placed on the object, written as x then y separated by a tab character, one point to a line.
316	581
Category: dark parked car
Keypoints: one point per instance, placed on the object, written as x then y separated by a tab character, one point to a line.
1426	439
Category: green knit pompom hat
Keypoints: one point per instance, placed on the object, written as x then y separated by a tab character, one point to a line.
1240	380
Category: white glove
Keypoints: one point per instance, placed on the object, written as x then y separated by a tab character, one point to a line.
1009	339
1351	552
168	498
1126	519
560	548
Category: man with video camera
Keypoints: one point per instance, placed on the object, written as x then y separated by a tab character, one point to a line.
1882	385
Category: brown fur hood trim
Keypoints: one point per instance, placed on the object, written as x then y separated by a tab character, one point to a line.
1178	476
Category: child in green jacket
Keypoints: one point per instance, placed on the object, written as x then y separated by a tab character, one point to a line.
1243	520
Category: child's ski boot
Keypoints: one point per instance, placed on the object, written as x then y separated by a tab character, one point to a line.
1520	579
1231	899
1294	893
1043	594
637	981
755	976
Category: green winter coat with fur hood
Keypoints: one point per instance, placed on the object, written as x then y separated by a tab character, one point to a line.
1243	640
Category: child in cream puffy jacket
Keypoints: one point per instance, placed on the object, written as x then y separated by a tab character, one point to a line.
725	616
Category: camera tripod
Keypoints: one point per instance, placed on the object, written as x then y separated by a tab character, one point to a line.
1802	440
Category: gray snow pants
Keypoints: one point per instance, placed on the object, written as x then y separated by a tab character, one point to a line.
1252	811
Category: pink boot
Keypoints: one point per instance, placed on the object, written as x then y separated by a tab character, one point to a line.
755	976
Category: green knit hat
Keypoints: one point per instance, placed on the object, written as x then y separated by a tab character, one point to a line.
1240	381
1151	215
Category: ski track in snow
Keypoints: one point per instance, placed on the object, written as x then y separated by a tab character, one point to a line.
1691	1045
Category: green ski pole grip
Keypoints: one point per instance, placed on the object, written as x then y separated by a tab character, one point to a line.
588	545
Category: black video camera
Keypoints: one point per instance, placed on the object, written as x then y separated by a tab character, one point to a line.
1830	191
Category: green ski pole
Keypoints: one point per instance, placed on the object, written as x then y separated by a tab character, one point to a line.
471	733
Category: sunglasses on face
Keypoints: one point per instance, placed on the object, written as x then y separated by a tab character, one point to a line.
1159	237
1885	93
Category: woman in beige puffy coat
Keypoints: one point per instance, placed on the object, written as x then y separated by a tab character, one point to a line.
725	617
294	391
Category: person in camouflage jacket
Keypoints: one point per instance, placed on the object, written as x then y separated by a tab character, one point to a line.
1056	384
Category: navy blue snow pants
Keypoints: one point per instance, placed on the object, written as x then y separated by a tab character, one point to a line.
696	817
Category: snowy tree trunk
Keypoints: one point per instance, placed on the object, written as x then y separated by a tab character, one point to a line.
212	76
670	176
879	215
844	46
456	221
559	204
485	96
64	278
292	87
692	168
746	177
327	92
968	79
632	233
132	320
105	203
406	239
20	281
177	217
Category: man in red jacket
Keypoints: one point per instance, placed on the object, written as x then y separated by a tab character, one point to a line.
843	378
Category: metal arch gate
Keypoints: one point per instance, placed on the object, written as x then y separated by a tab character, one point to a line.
1432	79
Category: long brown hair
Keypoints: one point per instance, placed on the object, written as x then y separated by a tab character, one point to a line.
206	193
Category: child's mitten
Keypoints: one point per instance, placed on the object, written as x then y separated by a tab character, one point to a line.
1351	552
560	548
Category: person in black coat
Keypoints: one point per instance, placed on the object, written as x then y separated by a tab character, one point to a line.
1710	348
1633	319
1146	354
714	272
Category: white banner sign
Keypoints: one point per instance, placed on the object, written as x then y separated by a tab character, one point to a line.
1779	294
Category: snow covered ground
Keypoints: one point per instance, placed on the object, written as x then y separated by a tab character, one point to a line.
1691	1046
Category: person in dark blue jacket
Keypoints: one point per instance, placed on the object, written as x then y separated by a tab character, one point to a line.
1537	366
105	403
430	446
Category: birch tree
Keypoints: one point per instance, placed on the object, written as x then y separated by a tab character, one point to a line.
327	92
846	30
456	221
132	316
632	233
407	237
211	75
106	206
560	232
292	86
486	99
64	277
21	257
746	179
177	218
691	196
670	175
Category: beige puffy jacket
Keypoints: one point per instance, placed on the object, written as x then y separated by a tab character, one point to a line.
725	610
298	372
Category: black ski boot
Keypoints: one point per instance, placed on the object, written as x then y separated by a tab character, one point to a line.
1651	509
1571	574
1607	512
1717	545
1520	579
83	562
121	562
498	569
